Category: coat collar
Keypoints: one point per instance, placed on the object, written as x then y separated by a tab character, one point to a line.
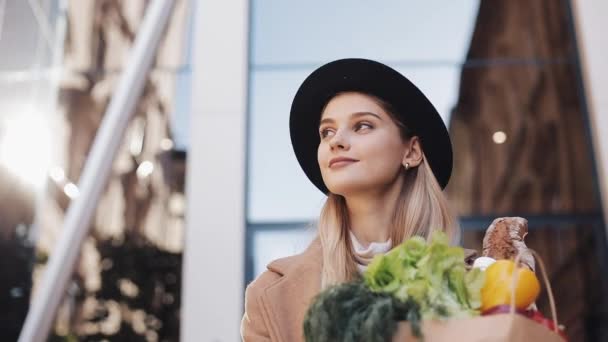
311	257
288	299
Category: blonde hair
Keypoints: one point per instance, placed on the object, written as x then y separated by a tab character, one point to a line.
422	208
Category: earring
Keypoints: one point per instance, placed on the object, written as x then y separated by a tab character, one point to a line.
407	166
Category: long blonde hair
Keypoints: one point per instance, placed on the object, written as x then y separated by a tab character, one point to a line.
422	208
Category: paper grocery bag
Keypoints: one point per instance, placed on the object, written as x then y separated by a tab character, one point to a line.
505	327
499	328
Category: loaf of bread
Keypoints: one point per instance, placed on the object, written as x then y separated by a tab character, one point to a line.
504	239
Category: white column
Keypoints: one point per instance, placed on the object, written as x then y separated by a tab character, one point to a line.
213	267
590	26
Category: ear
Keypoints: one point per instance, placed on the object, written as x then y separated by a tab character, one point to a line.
413	153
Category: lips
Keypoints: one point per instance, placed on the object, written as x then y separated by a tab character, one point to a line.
341	161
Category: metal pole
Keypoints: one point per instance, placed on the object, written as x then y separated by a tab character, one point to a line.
95	173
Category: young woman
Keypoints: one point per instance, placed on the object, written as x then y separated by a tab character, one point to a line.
369	139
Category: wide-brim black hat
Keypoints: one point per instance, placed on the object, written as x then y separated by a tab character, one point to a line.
354	74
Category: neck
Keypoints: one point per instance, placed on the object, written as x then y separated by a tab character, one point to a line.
371	214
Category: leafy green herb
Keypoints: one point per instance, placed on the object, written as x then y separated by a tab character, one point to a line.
352	312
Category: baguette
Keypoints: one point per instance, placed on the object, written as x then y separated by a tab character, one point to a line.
504	239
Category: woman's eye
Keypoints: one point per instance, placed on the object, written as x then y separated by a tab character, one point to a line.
325	133
362	125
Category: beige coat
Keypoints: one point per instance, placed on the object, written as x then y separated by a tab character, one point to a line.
276	302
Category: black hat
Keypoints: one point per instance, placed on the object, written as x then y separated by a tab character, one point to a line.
354	74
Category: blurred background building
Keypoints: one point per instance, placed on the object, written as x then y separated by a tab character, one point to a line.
205	190
59	68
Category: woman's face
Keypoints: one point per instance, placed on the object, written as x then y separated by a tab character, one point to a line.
361	147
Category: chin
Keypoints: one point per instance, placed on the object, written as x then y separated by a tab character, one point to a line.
344	188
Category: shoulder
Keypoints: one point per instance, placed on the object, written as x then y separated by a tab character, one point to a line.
276	301
255	324
311	258
256	288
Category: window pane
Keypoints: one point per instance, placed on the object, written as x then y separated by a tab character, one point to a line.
277	242
278	189
298	32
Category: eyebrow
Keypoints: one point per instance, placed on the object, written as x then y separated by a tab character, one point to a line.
356	114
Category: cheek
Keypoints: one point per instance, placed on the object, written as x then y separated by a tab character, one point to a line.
383	156
383	150
321	155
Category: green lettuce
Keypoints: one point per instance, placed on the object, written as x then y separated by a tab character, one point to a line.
433	275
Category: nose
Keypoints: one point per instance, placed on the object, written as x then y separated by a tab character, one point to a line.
339	141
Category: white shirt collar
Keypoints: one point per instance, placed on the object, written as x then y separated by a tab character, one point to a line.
364	255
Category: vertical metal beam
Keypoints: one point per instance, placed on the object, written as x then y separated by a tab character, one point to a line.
96	172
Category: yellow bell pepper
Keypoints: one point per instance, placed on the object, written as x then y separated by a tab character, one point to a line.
498	286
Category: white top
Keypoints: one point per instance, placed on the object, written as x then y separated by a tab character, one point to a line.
364	255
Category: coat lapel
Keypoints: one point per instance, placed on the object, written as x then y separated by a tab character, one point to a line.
288	299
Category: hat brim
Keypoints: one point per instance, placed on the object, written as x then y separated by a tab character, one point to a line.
362	75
